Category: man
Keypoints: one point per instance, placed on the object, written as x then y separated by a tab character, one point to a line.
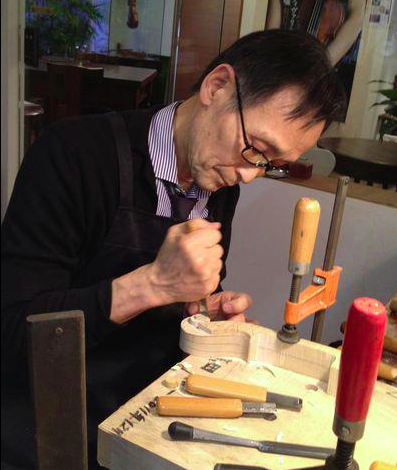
95	220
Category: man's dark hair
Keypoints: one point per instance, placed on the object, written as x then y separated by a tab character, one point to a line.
265	62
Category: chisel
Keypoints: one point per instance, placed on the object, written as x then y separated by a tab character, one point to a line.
203	303
213	407
182	432
221	388
231	466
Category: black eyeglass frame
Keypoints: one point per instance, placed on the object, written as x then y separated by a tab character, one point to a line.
271	171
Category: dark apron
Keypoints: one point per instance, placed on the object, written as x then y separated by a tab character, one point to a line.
133	356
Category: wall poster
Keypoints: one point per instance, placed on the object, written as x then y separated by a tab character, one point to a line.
336	23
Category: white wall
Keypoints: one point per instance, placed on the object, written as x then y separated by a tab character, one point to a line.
11	94
258	258
253	16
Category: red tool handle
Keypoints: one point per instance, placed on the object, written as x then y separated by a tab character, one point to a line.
361	353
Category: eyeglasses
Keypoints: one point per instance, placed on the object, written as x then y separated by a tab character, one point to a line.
255	157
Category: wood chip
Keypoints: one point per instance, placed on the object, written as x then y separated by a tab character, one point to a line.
171	382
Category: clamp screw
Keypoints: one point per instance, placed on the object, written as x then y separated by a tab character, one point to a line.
345	431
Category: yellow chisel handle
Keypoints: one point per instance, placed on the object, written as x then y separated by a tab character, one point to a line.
214	387
191	227
377	465
199	407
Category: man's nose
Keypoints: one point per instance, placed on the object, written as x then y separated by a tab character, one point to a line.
248	174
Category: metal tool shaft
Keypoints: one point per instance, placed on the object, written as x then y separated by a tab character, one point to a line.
329	259
181	431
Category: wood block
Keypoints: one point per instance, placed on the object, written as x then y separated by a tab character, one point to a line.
250	342
136	437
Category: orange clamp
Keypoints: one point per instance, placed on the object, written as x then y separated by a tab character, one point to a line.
315	297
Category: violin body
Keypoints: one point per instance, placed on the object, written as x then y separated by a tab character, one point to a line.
321	18
132	21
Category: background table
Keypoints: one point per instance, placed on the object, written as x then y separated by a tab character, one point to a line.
123	87
364	159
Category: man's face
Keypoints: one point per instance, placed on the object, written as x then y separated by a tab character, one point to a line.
217	139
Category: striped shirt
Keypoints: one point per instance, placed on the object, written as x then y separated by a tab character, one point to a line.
162	155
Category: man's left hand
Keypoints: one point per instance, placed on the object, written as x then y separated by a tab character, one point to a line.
224	306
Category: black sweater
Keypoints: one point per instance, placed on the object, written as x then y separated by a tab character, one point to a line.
64	201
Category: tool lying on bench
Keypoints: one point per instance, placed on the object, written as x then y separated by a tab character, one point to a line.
228	399
222	388
183	432
213	407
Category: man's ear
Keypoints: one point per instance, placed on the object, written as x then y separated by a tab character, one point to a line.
220	82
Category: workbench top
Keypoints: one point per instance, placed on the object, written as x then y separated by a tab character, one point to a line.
135	437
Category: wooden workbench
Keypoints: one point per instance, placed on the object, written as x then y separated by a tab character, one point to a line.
135	437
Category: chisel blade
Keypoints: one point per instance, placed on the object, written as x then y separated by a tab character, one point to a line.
267	410
284	401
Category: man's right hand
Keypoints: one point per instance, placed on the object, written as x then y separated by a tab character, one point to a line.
187	268
189	262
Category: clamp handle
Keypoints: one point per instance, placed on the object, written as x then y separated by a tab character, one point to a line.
361	354
303	236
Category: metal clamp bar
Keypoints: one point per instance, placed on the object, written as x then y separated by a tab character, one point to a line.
329	259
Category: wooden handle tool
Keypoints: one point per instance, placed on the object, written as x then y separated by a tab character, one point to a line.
191	227
212	407
214	387
377	465
183	432
199	407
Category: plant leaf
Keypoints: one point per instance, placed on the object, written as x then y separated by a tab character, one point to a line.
383	103
391	94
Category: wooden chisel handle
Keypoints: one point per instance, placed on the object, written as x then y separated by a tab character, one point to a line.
214	387
199	407
377	465
191	227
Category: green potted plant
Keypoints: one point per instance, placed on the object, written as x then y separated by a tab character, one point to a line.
388	120
64	26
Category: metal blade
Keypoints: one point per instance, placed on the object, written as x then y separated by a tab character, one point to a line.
311	452
285	401
268	410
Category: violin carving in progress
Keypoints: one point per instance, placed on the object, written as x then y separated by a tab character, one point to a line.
249	342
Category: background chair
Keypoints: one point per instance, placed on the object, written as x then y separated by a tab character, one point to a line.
74	90
323	161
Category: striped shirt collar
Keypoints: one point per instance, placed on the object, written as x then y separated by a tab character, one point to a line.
162	151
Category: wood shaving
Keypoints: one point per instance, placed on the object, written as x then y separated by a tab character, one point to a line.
171	382
227	427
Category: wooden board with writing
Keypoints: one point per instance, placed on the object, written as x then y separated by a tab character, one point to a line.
135	437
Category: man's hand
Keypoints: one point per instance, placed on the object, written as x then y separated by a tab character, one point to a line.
224	306
189	262
187	268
